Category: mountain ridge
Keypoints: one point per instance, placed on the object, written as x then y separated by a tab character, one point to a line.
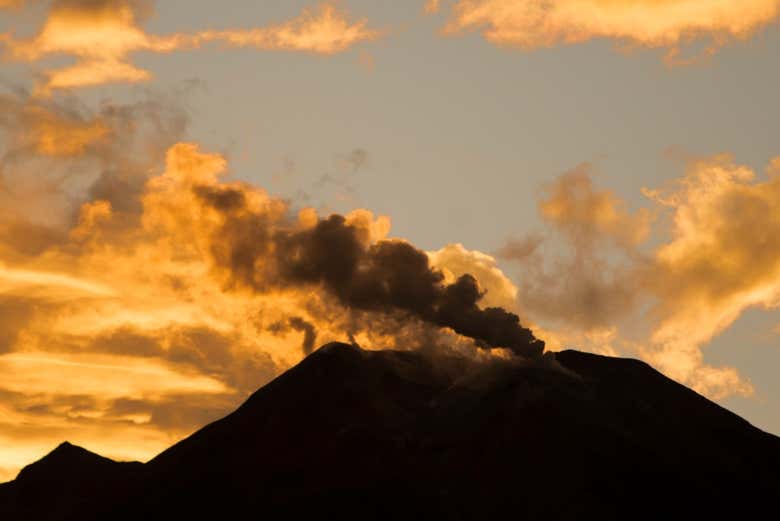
347	429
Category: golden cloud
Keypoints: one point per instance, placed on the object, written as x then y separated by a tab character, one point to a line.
719	258
57	154
455	260
588	289
11	4
102	35
131	321
667	24
50	130
586	215
723	257
432	6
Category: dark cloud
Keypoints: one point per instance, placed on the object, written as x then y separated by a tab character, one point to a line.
386	277
301	325
520	249
309	333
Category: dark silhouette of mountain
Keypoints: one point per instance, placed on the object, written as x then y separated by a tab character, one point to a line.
67	481
352	434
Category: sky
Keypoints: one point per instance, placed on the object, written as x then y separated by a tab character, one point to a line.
606	170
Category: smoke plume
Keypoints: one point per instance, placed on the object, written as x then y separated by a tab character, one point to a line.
385	276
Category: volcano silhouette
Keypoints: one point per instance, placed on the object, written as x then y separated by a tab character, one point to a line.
350	434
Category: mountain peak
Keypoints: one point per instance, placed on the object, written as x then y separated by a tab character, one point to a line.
339	350
67	447
361	434
334	347
65	460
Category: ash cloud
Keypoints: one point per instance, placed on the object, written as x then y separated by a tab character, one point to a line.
386	276
309	333
300	325
595	284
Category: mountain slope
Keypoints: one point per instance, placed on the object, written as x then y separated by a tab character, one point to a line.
353	434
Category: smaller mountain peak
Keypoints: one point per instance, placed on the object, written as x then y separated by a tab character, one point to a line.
66	448
66	460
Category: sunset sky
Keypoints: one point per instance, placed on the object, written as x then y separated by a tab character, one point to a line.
609	170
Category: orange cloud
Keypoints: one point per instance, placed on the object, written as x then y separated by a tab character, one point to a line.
133	324
774	167
667	24
102	35
586	288
57	137
11	4
723	257
58	153
50	131
574	206
325	31
719	258
455	260
432	6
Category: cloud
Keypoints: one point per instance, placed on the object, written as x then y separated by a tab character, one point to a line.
432	6
167	284
666	24
454	260
102	34
588	216
718	257
58	154
257	247
519	249
174	413
85	375
50	130
723	256
301	325
774	167
11	4
591	287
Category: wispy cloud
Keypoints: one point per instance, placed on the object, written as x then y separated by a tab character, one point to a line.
103	34
663	24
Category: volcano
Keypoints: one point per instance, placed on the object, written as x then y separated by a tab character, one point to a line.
356	434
